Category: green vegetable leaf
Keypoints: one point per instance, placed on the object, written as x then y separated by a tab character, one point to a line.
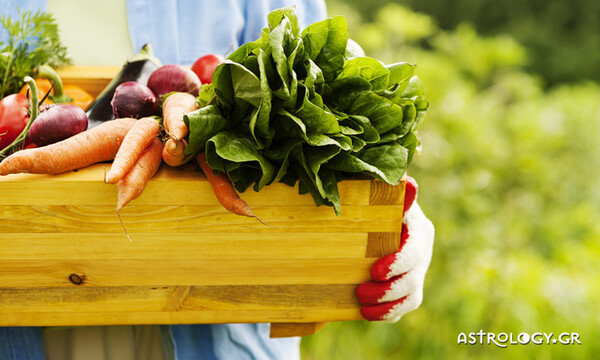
325	43
277	16
291	108
281	35
386	162
235	83
241	54
238	149
314	80
414	88
369	69
203	124
382	113
400	72
316	119
32	40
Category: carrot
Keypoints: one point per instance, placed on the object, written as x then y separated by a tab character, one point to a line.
175	106
224	190
172	153
100	143
135	142
133	183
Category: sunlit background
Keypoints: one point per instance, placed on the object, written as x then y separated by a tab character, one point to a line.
508	173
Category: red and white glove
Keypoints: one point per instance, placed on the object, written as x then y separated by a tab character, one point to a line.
397	286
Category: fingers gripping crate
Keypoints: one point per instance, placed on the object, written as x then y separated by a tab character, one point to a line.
65	258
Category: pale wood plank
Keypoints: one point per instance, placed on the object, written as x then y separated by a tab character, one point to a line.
177	298
291	297
210	304
86	299
166	272
88	246
170	186
171	219
84	72
280	330
176	317
92	79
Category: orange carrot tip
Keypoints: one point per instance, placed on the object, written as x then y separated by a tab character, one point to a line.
123	225
172	153
264	223
133	183
224	190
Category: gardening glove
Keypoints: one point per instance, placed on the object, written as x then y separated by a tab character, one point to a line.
397	286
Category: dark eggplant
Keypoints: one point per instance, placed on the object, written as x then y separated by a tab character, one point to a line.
136	69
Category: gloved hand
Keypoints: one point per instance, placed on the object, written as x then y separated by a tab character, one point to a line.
397	286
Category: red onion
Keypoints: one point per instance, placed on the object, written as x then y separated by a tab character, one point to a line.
57	123
169	78
132	99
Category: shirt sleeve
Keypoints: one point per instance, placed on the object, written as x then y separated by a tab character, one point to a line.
180	31
228	341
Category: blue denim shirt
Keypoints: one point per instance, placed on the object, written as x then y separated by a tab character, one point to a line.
180	32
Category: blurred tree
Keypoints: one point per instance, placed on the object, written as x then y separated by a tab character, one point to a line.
508	173
563	37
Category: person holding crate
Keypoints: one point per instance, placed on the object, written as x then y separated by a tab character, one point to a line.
397	285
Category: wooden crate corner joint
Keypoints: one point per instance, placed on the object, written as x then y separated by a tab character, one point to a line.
379	244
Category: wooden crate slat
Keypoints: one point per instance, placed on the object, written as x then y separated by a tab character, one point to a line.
92	79
87	246
208	271
179	317
189	218
186	298
189	187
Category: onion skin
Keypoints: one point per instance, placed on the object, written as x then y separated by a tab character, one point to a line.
172	77
138	68
132	99
57	123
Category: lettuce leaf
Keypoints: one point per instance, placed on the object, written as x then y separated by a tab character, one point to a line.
291	108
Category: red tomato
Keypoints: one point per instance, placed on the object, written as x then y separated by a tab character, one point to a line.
13	118
205	66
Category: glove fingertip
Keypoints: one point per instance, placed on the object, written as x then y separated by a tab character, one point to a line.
367	294
379	312
380	271
370	314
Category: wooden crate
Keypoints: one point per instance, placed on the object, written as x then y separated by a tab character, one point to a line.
65	258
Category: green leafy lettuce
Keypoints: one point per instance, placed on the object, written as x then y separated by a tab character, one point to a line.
291	107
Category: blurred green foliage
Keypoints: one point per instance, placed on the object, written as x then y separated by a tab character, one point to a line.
509	176
563	37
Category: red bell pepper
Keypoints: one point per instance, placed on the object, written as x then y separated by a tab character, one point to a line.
50	81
